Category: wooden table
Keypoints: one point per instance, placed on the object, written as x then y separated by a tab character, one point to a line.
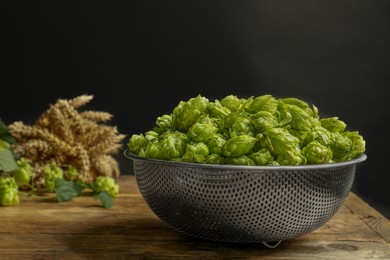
40	228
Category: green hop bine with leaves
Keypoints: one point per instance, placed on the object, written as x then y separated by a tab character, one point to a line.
16	178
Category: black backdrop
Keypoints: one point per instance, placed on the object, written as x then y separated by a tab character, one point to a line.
140	58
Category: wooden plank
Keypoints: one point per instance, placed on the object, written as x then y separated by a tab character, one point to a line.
376	221
40	228
138	216
174	246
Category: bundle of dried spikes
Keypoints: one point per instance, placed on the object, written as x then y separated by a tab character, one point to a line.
68	137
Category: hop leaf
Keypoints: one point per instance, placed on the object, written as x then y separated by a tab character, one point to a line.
7	161
104	198
4	133
66	190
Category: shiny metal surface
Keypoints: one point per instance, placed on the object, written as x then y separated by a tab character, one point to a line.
243	204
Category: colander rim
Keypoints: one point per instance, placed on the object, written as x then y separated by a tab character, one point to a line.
356	160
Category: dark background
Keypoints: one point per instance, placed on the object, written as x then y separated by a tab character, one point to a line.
140	58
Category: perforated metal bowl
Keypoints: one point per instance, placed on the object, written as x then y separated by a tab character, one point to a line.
247	204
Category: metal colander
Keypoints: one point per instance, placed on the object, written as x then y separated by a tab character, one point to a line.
247	204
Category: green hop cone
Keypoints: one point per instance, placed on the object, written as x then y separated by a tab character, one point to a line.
301	135
283	114
301	104
293	157
200	132
4	145
137	142
238	124
152	136
333	124
233	103
262	157
217	110
317	153
106	183
240	160
319	134
163	123
263	120
215	159
173	145
301	120
8	192
52	172
152	150
186	113
358	143
71	173
280	141
233	127
341	146
261	103
216	143
22	175
196	152
239	145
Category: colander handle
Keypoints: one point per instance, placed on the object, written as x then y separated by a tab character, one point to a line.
272	244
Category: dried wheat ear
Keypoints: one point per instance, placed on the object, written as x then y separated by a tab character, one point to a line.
68	137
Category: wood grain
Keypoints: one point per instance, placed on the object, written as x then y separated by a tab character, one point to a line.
368	215
40	228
